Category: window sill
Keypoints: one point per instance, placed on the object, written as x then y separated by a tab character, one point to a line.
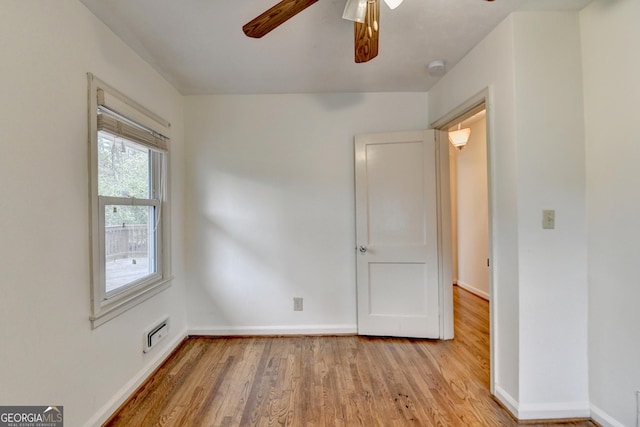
123	304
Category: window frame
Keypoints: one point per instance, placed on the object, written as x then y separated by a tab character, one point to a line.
108	305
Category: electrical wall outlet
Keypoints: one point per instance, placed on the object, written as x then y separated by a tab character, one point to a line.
297	304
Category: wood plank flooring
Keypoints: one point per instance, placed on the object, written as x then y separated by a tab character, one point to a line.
327	381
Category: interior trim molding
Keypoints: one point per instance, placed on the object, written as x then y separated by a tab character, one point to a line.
564	411
274	330
475	291
508	402
554	411
604	419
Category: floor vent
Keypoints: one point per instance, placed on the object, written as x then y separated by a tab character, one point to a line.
155	334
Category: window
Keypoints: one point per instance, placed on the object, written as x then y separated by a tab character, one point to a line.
129	207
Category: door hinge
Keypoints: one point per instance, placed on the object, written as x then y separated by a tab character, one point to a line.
488	263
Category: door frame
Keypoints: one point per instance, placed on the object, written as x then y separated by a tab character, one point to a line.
456	115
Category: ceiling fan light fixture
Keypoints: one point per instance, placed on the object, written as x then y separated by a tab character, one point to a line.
393	3
355	10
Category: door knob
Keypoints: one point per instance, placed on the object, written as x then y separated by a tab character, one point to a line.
362	249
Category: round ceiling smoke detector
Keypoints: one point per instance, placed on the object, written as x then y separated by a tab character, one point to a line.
436	68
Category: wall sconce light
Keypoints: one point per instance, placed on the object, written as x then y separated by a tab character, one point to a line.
459	137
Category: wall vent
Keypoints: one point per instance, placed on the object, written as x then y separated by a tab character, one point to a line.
155	334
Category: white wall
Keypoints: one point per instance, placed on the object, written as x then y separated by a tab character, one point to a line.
271	206
551	175
473	212
49	353
612	91
491	65
531	64
453	185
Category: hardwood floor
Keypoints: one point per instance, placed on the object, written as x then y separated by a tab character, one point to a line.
327	381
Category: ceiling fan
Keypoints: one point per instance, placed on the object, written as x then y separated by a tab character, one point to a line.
365	15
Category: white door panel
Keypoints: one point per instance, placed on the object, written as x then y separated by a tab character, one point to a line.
396	227
394	177
390	296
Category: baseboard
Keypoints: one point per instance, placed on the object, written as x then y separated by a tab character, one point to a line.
507	401
543	411
554	411
125	392
275	330
604	419
473	290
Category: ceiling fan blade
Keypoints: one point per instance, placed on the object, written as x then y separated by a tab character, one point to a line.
366	34
275	16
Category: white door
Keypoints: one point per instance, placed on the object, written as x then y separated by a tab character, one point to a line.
396	234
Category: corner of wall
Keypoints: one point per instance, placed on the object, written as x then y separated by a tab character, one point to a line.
112	405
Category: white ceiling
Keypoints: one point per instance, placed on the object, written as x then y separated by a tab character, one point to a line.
199	46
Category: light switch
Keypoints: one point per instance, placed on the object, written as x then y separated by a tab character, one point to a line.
548	219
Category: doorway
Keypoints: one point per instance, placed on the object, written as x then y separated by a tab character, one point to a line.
482	259
470	206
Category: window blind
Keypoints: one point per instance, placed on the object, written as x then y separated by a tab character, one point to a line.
121	116
131	131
